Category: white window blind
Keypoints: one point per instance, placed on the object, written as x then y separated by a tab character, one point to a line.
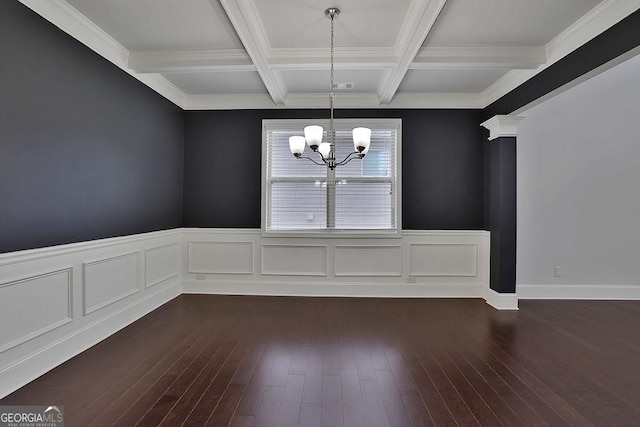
361	196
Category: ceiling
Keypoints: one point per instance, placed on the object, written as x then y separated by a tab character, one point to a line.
223	54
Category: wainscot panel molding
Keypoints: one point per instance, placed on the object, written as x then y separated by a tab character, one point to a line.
361	260
565	291
48	294
417	264
58	301
162	263
438	259
73	296
233	257
293	260
109	280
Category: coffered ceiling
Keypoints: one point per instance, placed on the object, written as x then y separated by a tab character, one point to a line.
223	54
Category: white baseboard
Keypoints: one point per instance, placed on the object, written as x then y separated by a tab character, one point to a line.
30	367
501	301
578	292
333	289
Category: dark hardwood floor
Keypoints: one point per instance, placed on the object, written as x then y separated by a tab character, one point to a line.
279	361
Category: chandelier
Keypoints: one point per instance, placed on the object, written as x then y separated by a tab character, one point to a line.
313	133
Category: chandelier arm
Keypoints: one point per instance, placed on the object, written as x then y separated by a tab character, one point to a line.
330	159
309	158
346	159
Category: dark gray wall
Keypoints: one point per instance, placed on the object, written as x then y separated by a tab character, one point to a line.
86	151
442	166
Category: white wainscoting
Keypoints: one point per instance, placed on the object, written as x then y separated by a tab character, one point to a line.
56	302
109	280
234	257
293	260
48	294
418	264
162	263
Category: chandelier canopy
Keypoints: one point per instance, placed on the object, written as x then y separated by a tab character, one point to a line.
313	133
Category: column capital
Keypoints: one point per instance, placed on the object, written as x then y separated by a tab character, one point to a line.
502	125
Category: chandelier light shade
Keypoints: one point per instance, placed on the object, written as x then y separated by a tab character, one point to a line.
296	145
361	139
313	133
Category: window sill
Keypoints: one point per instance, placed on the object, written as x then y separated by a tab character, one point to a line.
335	234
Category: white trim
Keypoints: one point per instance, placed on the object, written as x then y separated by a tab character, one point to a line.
190	60
583	78
20	340
395	273
479	57
319	273
501	301
246	21
344	58
340	124
86	265
500	126
418	21
33	365
592	24
578	292
333	289
343	100
147	251
144	66
78	26
474	273
69	248
189	268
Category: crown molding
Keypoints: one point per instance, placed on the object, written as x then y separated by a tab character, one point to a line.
342	100
595	22
246	21
229	102
502	125
475	57
592	24
436	100
268	62
190	60
72	22
418	22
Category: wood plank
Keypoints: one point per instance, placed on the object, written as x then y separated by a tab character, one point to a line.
218	360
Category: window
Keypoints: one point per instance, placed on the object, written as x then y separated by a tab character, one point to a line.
361	197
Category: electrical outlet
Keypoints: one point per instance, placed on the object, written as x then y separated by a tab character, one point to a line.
200	277
557	271
411	280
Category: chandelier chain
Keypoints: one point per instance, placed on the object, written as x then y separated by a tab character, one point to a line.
314	133
331	93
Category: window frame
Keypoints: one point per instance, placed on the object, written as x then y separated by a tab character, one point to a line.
285	124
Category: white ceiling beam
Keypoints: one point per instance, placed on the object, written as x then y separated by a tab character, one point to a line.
230	60
419	20
479	57
344	58
190	60
343	100
246	21
589	26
